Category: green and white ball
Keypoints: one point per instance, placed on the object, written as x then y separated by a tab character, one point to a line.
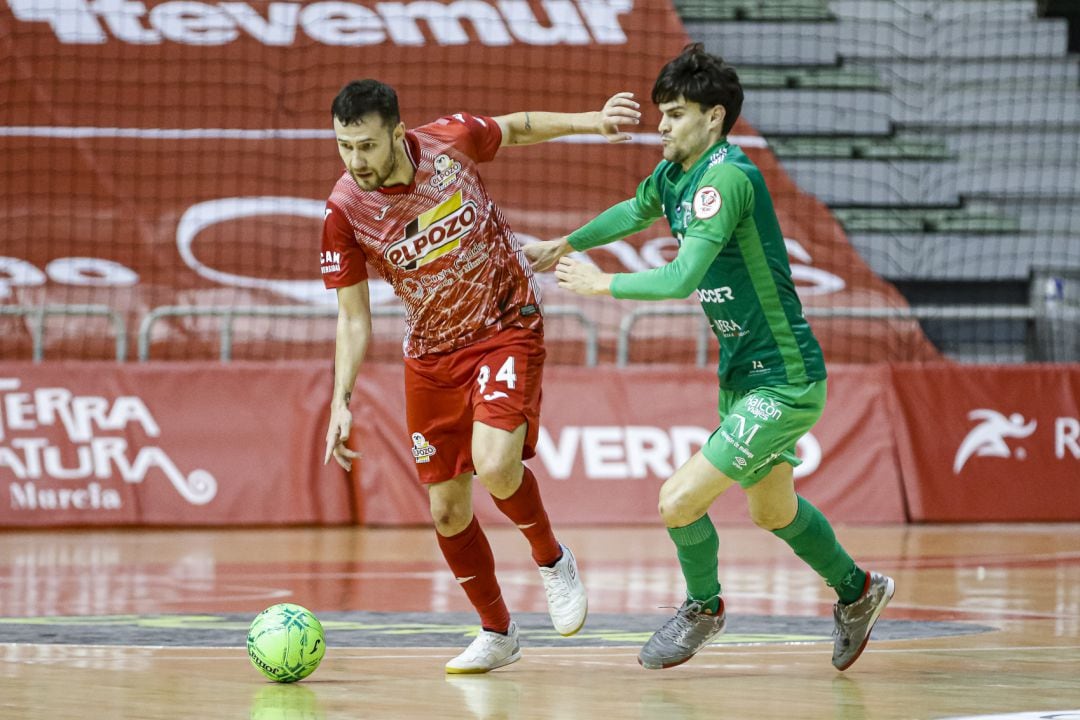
286	642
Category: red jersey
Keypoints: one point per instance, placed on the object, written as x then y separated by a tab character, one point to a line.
441	242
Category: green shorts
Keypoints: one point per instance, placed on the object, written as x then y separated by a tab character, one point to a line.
759	428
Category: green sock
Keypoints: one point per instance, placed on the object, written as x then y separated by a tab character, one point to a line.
697	545
812	538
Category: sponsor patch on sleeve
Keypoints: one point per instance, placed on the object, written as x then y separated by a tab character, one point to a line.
707	202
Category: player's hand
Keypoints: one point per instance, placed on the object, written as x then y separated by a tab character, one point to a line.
543	255
619	110
336	437
582	278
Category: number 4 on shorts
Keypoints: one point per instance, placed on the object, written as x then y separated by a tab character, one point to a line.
506	373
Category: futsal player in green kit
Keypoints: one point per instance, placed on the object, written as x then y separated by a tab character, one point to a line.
772	375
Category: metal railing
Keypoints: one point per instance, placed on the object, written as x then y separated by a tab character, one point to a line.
923	312
592	335
626	327
229	314
38	313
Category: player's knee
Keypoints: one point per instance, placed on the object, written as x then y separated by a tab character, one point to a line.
498	474
768	517
676	510
451	518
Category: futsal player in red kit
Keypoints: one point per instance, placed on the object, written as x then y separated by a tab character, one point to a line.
411	205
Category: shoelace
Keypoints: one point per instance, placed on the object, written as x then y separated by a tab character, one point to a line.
556	587
489	643
841	615
678	628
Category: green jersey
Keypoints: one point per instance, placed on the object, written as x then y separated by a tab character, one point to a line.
731	251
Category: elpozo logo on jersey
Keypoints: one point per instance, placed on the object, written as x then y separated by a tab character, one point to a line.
433	234
446	172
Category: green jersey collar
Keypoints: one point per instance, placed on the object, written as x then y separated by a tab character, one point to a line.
707	156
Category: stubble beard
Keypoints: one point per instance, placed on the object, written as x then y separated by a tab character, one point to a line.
673	155
378	179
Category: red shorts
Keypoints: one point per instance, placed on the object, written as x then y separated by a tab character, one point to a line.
495	382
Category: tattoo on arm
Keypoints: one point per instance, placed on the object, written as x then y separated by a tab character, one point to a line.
528	123
348	397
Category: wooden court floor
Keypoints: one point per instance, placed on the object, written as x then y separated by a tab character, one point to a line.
69	601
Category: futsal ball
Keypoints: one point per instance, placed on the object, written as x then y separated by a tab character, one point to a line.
286	642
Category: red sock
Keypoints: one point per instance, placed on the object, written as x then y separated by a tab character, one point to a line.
469	556
526	509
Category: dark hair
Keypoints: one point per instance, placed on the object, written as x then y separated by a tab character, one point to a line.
702	78
362	97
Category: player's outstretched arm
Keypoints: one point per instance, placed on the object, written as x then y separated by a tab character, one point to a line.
353	336
529	128
712	226
677	279
615	223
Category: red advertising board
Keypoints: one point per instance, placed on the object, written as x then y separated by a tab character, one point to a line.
610	438
192	444
990	443
167	444
206	444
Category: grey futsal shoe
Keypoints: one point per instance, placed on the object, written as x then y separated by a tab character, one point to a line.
682	636
854	621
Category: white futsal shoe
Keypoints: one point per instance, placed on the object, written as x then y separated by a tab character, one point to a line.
568	603
488	651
